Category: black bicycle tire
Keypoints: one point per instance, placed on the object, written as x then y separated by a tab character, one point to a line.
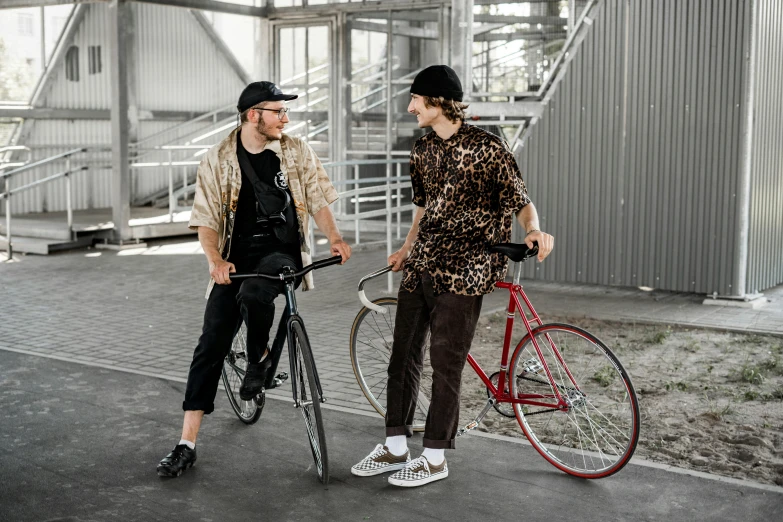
356	365
232	397
634	439
300	334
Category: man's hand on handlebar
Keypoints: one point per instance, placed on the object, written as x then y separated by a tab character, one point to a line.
342	249
398	258
545	243
219	270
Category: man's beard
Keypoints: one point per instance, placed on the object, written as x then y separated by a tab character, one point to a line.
264	130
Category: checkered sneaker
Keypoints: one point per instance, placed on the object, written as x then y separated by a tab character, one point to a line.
419	472
380	461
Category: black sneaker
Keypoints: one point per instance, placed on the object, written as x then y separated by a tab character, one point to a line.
255	377
180	459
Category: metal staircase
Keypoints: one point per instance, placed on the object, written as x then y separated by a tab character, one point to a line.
495	102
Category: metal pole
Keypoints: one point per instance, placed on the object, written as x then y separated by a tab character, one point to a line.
356	201
399	198
8	221
742	230
171	188
389	281
43	40
389	109
68	202
571	16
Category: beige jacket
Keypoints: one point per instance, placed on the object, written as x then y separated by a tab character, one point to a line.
219	179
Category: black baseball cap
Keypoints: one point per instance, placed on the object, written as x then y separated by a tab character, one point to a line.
258	92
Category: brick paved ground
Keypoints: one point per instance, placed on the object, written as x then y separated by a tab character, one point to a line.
141	311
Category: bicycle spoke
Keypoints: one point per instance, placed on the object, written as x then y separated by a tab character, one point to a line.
597	432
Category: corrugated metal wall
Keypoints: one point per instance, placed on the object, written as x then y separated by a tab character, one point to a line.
635	165
765	249
178	68
92	91
177	65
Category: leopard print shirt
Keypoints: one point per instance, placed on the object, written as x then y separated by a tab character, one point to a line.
471	188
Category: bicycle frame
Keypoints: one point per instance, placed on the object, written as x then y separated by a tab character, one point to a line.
499	395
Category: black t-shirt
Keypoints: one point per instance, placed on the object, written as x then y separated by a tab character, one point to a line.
247	234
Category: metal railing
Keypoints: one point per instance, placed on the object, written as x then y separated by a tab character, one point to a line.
186	188
6	152
8	192
389	188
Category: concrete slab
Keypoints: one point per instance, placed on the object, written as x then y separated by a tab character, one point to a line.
81	444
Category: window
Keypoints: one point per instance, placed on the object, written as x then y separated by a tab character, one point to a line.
95	64
72	64
25	24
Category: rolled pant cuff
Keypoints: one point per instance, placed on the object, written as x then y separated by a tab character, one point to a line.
394	431
207	408
438	444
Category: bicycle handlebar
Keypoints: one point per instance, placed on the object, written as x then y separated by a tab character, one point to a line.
282	277
363	298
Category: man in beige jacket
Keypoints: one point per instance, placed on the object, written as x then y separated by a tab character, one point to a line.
255	193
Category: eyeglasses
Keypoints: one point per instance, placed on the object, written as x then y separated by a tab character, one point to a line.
280	112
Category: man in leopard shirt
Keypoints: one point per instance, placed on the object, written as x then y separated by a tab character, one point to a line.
467	189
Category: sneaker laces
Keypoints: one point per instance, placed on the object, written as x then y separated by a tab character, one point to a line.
377	452
419	461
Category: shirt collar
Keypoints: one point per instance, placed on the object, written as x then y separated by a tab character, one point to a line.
456	137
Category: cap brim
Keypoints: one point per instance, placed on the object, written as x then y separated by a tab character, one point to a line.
282	97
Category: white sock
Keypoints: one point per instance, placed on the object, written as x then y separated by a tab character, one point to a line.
397	444
434	456
191	445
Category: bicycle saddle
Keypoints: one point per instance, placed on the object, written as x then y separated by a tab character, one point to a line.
515	251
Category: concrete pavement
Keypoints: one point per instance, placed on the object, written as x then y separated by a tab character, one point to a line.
81	444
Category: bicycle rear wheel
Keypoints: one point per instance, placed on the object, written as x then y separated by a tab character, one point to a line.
234	368
372	335
596	434
306	390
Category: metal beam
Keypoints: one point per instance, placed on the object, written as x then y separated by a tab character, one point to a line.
16	4
49	113
220	45
121	29
532	20
404	15
58	55
462	42
507	110
521	35
432	16
211	5
354	7
399	30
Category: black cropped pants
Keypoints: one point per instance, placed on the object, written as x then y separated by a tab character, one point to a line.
251	300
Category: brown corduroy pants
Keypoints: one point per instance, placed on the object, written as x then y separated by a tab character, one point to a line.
451	320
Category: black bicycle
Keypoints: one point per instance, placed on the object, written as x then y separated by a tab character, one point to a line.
306	386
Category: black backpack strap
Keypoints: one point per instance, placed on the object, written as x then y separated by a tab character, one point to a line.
259	187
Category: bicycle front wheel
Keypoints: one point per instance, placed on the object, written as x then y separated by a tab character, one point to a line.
372	335
309	399
234	368
595	433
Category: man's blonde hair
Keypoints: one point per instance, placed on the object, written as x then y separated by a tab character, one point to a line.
452	109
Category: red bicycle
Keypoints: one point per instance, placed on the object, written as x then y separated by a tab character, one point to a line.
569	393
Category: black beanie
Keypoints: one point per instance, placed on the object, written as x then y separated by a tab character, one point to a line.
436	81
